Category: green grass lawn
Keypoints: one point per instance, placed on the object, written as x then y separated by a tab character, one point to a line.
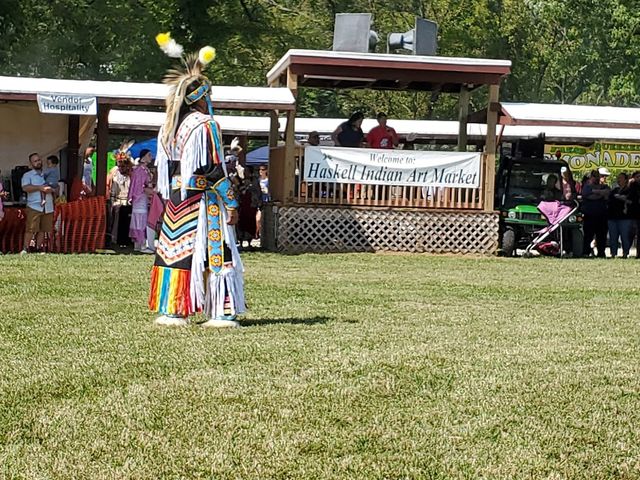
348	366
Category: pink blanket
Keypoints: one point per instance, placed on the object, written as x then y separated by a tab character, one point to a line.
155	211
555	211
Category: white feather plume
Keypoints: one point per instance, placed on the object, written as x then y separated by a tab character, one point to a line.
173	49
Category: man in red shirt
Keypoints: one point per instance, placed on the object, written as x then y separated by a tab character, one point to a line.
382	136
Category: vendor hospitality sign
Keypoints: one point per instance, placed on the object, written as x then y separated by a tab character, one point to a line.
67	104
392	167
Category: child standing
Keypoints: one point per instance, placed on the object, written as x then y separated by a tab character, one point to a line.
51	176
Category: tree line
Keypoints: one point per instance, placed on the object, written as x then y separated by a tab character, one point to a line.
563	51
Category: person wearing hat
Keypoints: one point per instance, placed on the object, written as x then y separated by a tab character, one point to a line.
604	175
382	136
119	187
313	139
233	157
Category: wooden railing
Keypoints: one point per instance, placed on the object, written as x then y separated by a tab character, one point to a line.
354	194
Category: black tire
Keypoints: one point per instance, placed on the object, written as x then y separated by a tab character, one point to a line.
577	242
508	242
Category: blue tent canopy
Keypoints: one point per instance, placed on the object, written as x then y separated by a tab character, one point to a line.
255	157
151	144
258	156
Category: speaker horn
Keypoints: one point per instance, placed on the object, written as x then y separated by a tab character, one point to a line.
421	40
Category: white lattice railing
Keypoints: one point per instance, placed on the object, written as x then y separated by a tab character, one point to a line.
330	229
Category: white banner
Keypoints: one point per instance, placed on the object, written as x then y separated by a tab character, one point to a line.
392	167
67	104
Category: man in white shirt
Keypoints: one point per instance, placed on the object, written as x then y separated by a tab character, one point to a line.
39	215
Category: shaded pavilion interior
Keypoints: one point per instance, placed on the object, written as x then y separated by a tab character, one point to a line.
129	95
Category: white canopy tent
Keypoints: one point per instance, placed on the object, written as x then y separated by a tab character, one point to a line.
424	130
546	115
569	115
132	93
25	129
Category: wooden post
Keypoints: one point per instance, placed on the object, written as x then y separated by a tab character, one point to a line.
274	129
289	171
463	113
73	157
292	82
490	149
102	147
242	158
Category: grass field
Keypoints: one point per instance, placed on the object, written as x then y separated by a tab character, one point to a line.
349	366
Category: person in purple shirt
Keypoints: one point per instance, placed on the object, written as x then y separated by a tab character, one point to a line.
139	200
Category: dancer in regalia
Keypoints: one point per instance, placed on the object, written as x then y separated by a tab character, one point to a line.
197	266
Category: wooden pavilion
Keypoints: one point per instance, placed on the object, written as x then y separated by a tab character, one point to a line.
329	217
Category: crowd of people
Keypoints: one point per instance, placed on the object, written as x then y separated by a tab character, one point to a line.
611	212
135	209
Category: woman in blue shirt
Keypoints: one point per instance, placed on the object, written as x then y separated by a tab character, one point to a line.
349	133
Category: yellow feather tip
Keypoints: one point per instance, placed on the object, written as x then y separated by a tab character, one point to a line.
162	39
206	55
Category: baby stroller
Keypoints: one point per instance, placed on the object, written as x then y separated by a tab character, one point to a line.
545	241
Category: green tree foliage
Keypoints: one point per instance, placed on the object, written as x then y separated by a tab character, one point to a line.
563	51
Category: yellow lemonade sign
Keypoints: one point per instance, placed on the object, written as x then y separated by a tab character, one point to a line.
615	156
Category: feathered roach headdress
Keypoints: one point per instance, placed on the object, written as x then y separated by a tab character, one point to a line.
123	152
179	79
123	156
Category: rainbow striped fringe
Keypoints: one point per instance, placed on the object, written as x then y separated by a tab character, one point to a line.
170	292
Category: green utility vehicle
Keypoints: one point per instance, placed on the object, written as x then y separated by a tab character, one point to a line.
520	184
